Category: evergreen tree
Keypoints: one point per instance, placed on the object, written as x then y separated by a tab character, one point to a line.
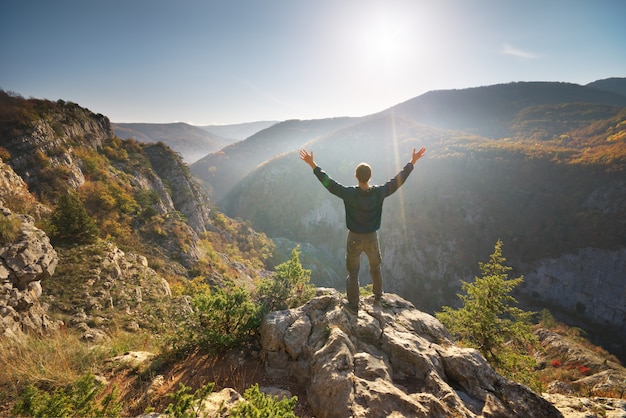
71	223
488	321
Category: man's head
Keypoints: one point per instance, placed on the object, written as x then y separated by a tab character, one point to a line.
363	173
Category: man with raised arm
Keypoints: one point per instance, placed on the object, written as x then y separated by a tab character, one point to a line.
364	207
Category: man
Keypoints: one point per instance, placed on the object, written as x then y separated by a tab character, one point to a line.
364	207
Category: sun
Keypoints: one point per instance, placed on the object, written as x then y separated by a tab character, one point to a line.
384	39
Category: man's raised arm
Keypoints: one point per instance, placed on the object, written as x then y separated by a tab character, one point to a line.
416	155
308	158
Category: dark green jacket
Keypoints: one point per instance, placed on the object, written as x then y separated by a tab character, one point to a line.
364	208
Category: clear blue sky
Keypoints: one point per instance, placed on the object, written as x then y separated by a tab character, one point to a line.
222	62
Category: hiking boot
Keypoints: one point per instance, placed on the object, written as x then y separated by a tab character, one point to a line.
353	309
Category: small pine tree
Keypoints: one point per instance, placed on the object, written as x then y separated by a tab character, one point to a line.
185	404
70	222
289	286
488	320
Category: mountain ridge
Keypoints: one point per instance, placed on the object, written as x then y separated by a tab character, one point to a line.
488	110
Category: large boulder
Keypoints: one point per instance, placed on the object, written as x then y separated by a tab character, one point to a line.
389	360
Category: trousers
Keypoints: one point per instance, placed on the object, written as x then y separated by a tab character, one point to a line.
356	244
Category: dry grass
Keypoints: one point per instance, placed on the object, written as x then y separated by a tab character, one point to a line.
59	359
51	361
9	228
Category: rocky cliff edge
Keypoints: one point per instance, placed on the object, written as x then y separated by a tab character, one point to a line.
389	360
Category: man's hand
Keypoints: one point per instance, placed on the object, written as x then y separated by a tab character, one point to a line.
308	158
416	155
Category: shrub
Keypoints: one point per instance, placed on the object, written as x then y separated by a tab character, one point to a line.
77	399
220	319
186	405
257	404
289	286
9	228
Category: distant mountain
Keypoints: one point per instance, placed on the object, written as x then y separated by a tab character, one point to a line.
615	85
222	170
489	111
238	131
191	142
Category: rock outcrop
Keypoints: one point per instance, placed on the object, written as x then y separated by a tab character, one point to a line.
24	262
53	137
389	360
188	198
64	146
14	193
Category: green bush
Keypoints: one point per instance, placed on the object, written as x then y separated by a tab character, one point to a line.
257	404
186	405
288	287
78	399
70	222
9	228
220	320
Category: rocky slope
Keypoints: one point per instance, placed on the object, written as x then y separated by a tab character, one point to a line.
98	288
24	262
59	146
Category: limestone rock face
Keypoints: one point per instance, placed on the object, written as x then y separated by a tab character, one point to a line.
24	262
389	360
186	195
590	282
